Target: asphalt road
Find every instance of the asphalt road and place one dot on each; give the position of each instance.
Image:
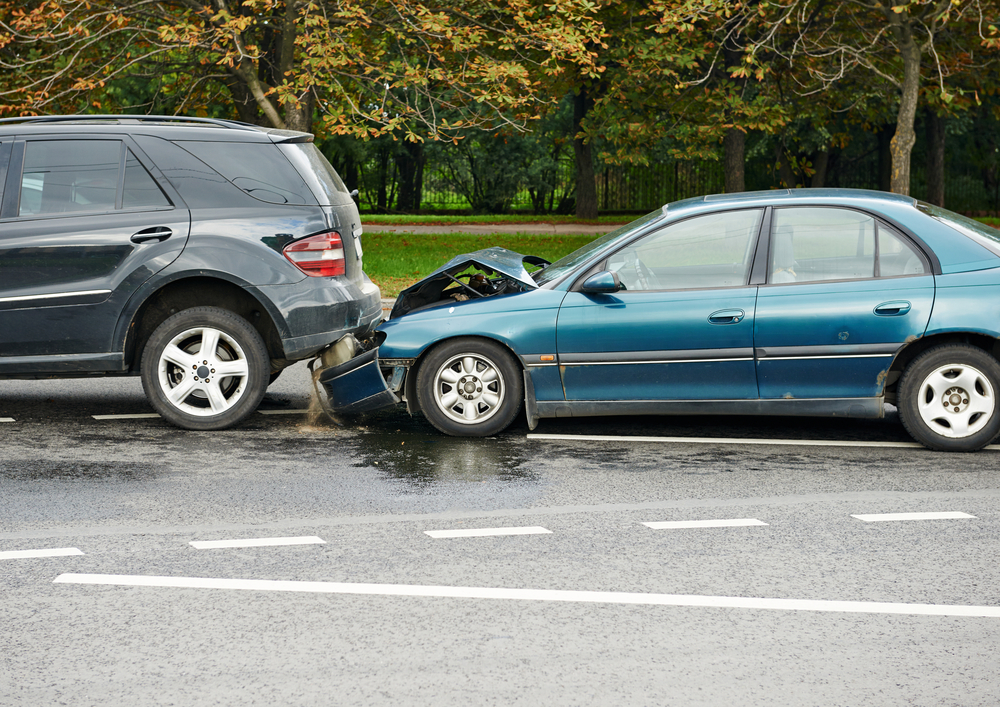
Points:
(794, 601)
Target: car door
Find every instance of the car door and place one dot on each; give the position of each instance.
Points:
(844, 292)
(83, 224)
(682, 329)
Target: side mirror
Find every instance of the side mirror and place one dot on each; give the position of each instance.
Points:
(604, 282)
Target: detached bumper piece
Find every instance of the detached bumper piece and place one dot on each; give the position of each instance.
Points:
(356, 386)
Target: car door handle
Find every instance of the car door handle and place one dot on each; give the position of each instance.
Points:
(156, 233)
(727, 316)
(892, 309)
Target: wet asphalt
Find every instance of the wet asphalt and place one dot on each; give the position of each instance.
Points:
(132, 494)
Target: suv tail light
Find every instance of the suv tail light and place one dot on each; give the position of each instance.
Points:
(318, 256)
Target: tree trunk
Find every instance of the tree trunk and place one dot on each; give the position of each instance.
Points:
(734, 141)
(821, 161)
(785, 173)
(935, 158)
(300, 117)
(885, 134)
(905, 137)
(408, 164)
(586, 183)
(733, 148)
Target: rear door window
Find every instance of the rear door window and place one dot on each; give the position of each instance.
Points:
(69, 176)
(259, 169)
(821, 244)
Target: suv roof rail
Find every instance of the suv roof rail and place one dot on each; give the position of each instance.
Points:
(232, 124)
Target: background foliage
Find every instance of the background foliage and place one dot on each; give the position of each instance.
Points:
(576, 106)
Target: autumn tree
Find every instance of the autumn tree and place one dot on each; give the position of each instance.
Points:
(908, 45)
(367, 67)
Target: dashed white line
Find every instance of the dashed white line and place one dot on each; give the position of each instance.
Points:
(735, 440)
(882, 517)
(730, 523)
(256, 542)
(414, 590)
(49, 552)
(483, 532)
(134, 416)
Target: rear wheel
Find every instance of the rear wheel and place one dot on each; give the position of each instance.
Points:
(470, 388)
(205, 368)
(948, 398)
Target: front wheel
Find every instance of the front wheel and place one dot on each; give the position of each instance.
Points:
(205, 368)
(470, 388)
(948, 398)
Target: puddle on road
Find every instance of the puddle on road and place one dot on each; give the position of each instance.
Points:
(426, 458)
(40, 470)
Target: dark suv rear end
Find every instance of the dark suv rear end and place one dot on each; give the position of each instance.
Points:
(203, 255)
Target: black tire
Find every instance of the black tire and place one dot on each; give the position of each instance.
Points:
(191, 395)
(965, 378)
(470, 387)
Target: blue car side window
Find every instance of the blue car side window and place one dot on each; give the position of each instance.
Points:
(703, 252)
(811, 244)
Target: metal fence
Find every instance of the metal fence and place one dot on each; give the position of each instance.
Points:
(644, 188)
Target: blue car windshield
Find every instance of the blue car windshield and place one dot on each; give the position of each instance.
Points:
(984, 235)
(567, 263)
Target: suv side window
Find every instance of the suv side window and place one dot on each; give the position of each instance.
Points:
(140, 189)
(259, 169)
(69, 176)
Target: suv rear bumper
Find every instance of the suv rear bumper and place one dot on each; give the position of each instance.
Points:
(318, 316)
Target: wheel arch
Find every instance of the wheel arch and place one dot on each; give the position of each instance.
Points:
(989, 344)
(410, 383)
(198, 291)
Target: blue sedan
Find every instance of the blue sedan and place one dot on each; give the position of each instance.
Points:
(821, 302)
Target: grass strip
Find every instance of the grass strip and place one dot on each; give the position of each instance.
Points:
(433, 220)
(394, 261)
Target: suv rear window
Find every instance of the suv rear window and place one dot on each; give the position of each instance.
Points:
(258, 169)
(326, 184)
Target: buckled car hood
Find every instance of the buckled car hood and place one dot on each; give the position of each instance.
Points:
(492, 272)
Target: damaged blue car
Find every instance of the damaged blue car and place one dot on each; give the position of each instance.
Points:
(819, 302)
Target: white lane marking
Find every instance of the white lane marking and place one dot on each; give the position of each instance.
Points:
(257, 542)
(483, 532)
(7, 419)
(880, 517)
(134, 416)
(731, 523)
(415, 590)
(295, 411)
(51, 552)
(736, 440)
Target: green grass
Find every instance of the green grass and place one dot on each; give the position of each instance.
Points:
(498, 218)
(989, 220)
(394, 261)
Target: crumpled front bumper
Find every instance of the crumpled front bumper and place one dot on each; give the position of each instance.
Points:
(357, 385)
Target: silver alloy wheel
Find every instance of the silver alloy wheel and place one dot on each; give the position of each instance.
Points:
(956, 400)
(469, 388)
(203, 371)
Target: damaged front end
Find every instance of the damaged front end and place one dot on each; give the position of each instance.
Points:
(350, 377)
(484, 273)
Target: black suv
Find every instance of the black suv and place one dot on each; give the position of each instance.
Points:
(204, 255)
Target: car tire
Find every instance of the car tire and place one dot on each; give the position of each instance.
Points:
(188, 386)
(470, 387)
(948, 398)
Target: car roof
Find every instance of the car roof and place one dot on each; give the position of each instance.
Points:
(169, 126)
